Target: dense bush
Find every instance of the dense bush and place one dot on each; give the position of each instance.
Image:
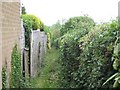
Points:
(116, 61)
(86, 53)
(70, 47)
(96, 57)
(30, 22)
(36, 22)
(77, 23)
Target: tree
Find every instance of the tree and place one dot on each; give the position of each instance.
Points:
(30, 22)
(23, 9)
(77, 23)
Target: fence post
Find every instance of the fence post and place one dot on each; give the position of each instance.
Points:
(26, 62)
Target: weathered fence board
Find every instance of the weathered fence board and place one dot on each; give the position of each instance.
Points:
(37, 51)
(26, 62)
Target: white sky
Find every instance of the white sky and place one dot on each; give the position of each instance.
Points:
(50, 11)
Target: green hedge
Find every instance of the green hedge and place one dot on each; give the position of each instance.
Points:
(86, 54)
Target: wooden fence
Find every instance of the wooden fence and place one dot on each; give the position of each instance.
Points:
(32, 64)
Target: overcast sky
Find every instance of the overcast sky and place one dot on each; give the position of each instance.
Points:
(50, 11)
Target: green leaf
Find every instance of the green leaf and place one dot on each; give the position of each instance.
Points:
(115, 83)
(116, 49)
(110, 78)
(116, 64)
(118, 77)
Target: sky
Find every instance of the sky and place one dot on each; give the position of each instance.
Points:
(50, 11)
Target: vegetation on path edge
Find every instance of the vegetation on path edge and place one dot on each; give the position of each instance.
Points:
(49, 73)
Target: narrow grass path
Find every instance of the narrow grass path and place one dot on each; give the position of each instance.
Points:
(49, 73)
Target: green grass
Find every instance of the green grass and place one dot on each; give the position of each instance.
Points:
(49, 73)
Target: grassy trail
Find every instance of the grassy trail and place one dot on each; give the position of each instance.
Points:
(48, 77)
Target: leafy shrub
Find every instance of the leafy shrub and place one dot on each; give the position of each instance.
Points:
(16, 78)
(86, 54)
(16, 72)
(30, 22)
(77, 23)
(116, 62)
(95, 59)
(36, 22)
(69, 46)
(27, 23)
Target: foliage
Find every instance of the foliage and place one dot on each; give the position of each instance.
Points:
(116, 62)
(86, 52)
(16, 72)
(77, 23)
(55, 33)
(48, 40)
(27, 23)
(4, 78)
(48, 76)
(48, 33)
(31, 22)
(46, 29)
(95, 59)
(70, 47)
(23, 10)
(16, 78)
(36, 22)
